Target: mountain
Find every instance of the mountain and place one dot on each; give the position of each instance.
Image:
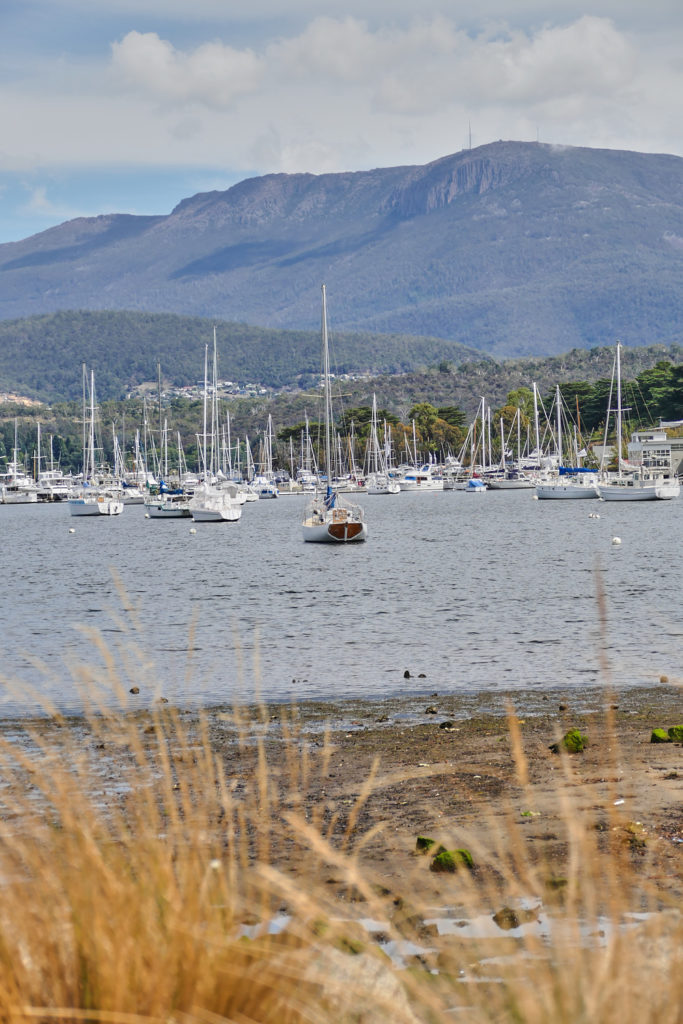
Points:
(511, 248)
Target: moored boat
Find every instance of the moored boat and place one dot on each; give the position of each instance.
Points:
(633, 484)
(329, 519)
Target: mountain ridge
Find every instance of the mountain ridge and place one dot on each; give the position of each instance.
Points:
(512, 249)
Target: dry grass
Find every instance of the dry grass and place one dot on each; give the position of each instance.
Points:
(143, 865)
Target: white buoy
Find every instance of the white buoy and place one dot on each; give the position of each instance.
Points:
(72, 530)
(146, 515)
(193, 530)
(535, 497)
(616, 540)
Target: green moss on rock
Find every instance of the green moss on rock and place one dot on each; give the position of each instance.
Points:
(676, 733)
(660, 736)
(423, 844)
(450, 860)
(573, 742)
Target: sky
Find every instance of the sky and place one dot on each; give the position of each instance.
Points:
(130, 106)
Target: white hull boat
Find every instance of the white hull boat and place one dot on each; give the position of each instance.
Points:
(379, 483)
(420, 480)
(13, 495)
(639, 485)
(639, 488)
(95, 505)
(512, 482)
(211, 504)
(169, 506)
(568, 488)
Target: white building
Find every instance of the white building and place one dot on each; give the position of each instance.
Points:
(655, 450)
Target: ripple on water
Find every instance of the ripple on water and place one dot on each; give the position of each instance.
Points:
(470, 595)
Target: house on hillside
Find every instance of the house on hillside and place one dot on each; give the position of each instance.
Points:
(655, 450)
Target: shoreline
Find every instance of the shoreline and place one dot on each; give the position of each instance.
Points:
(444, 767)
(398, 707)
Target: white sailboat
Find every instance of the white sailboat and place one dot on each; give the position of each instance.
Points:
(93, 499)
(509, 477)
(637, 485)
(569, 483)
(214, 500)
(328, 519)
(171, 502)
(53, 485)
(378, 480)
(264, 483)
(16, 486)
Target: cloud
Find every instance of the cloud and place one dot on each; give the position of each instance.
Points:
(212, 74)
(340, 92)
(41, 206)
(407, 70)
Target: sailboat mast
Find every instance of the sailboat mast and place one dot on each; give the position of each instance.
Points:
(38, 457)
(85, 435)
(92, 424)
(328, 395)
(558, 417)
(206, 389)
(214, 410)
(619, 408)
(538, 440)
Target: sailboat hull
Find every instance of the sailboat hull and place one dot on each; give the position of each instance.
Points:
(566, 492)
(640, 490)
(334, 532)
(95, 506)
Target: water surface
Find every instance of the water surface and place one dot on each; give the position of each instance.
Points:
(466, 592)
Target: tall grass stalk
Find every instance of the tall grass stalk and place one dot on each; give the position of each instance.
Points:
(174, 867)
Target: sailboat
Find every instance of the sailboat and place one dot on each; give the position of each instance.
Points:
(264, 484)
(16, 486)
(213, 501)
(328, 519)
(509, 477)
(574, 482)
(636, 485)
(93, 499)
(378, 480)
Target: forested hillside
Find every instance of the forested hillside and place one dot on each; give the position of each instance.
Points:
(41, 357)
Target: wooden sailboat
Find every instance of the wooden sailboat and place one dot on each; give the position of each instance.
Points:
(328, 519)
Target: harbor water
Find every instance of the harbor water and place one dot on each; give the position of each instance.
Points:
(452, 592)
